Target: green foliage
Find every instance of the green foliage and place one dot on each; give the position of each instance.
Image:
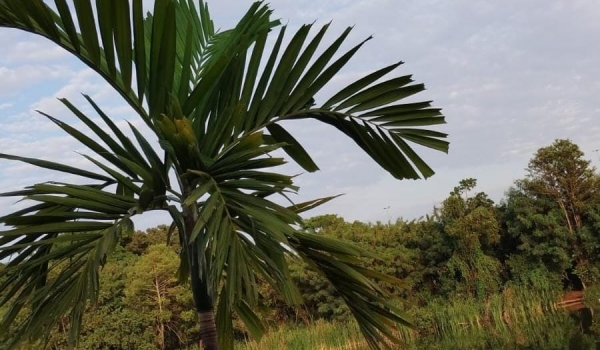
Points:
(549, 218)
(427, 255)
(139, 242)
(471, 227)
(560, 173)
(153, 288)
(126, 315)
(328, 335)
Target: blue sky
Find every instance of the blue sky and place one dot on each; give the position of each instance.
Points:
(511, 77)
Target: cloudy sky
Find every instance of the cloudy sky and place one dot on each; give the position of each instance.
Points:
(511, 76)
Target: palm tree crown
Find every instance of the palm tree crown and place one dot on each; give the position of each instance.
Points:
(214, 101)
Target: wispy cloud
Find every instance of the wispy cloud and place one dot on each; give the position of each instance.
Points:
(18, 78)
(32, 51)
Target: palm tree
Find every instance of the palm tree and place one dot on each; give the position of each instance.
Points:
(214, 101)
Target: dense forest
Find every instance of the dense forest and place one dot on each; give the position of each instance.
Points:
(499, 265)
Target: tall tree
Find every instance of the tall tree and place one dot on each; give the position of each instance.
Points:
(215, 110)
(471, 226)
(139, 242)
(535, 241)
(549, 216)
(560, 172)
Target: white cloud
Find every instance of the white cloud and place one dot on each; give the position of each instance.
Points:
(28, 76)
(39, 50)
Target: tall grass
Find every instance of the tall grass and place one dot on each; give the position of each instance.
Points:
(321, 335)
(515, 319)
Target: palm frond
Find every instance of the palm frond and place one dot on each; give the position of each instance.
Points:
(145, 58)
(340, 263)
(115, 31)
(382, 126)
(54, 255)
(56, 246)
(245, 236)
(368, 110)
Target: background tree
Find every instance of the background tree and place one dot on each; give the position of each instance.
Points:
(548, 215)
(471, 226)
(534, 239)
(215, 110)
(560, 172)
(112, 323)
(154, 290)
(139, 242)
(425, 238)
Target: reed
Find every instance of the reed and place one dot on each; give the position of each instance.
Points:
(518, 318)
(320, 335)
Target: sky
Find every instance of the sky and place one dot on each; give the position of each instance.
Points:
(511, 76)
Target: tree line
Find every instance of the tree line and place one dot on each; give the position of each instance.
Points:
(543, 236)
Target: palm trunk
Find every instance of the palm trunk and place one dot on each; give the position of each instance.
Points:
(200, 285)
(204, 306)
(208, 330)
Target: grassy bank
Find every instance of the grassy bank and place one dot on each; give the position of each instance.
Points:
(319, 336)
(512, 320)
(554, 332)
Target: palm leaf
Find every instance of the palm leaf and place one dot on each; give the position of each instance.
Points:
(369, 304)
(61, 29)
(56, 234)
(72, 229)
(69, 292)
(367, 111)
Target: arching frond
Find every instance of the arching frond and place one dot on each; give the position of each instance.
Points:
(56, 246)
